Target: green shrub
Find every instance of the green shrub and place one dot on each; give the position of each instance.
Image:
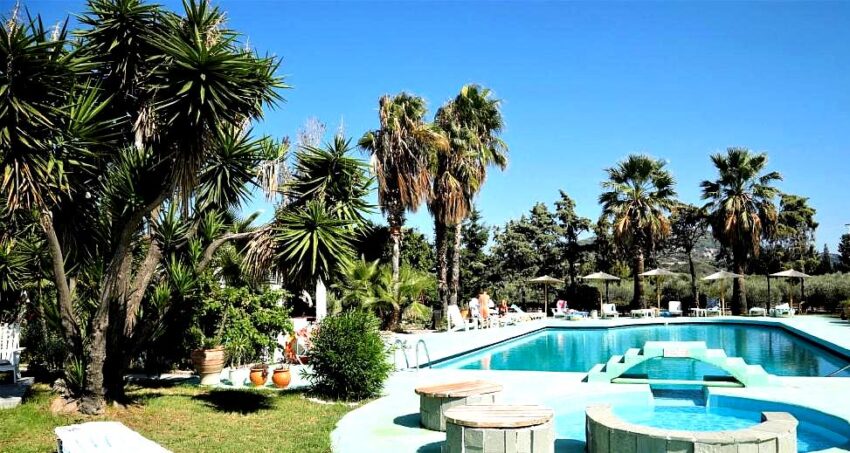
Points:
(348, 357)
(246, 322)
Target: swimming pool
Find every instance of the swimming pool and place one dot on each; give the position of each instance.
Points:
(578, 349)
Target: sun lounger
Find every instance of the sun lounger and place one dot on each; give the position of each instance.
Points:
(642, 313)
(758, 311)
(456, 321)
(782, 311)
(527, 315)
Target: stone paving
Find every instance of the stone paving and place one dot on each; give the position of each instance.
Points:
(391, 423)
(11, 395)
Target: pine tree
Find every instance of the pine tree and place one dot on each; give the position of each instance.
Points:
(825, 264)
(473, 258)
(844, 251)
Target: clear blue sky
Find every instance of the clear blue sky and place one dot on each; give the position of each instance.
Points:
(583, 84)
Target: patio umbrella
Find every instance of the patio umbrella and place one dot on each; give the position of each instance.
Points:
(607, 278)
(658, 273)
(723, 275)
(546, 280)
(791, 273)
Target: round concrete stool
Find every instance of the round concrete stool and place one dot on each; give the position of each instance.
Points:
(434, 400)
(499, 429)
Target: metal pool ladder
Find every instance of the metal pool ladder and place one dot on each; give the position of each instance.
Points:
(401, 345)
(427, 354)
(847, 367)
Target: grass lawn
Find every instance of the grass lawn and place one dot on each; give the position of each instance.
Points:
(189, 419)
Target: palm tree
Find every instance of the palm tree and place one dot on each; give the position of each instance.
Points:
(472, 121)
(370, 286)
(639, 194)
(401, 151)
(741, 209)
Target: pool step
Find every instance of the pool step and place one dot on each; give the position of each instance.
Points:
(614, 369)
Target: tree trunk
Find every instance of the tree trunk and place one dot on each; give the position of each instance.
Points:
(321, 299)
(637, 299)
(739, 293)
(455, 266)
(442, 286)
(395, 237)
(70, 329)
(692, 269)
(95, 354)
(395, 319)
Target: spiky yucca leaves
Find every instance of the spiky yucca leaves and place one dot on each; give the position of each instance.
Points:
(741, 208)
(207, 81)
(402, 150)
(36, 74)
(306, 245)
(638, 196)
(332, 175)
(228, 173)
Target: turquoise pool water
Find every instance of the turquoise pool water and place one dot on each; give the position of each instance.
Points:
(577, 350)
(813, 433)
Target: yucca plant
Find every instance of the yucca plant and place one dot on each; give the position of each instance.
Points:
(129, 143)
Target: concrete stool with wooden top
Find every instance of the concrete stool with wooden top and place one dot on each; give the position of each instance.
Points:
(499, 429)
(434, 400)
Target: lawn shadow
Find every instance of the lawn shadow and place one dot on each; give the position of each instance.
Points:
(235, 401)
(433, 447)
(408, 421)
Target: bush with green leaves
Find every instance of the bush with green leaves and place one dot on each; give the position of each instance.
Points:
(246, 322)
(348, 357)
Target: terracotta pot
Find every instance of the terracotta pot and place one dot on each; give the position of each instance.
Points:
(209, 363)
(258, 376)
(282, 377)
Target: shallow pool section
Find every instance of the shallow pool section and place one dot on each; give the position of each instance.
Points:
(577, 350)
(816, 431)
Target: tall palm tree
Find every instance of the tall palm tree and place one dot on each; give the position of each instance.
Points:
(472, 121)
(401, 151)
(638, 196)
(741, 209)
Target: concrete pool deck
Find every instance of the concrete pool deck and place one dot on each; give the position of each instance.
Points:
(391, 423)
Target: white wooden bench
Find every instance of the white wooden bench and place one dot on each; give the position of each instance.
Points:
(434, 400)
(499, 428)
(10, 350)
(103, 437)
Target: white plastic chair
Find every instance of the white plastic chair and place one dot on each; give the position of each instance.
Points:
(610, 311)
(674, 307)
(10, 350)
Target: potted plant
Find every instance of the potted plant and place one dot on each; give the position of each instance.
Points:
(209, 361)
(259, 374)
(282, 376)
(237, 353)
